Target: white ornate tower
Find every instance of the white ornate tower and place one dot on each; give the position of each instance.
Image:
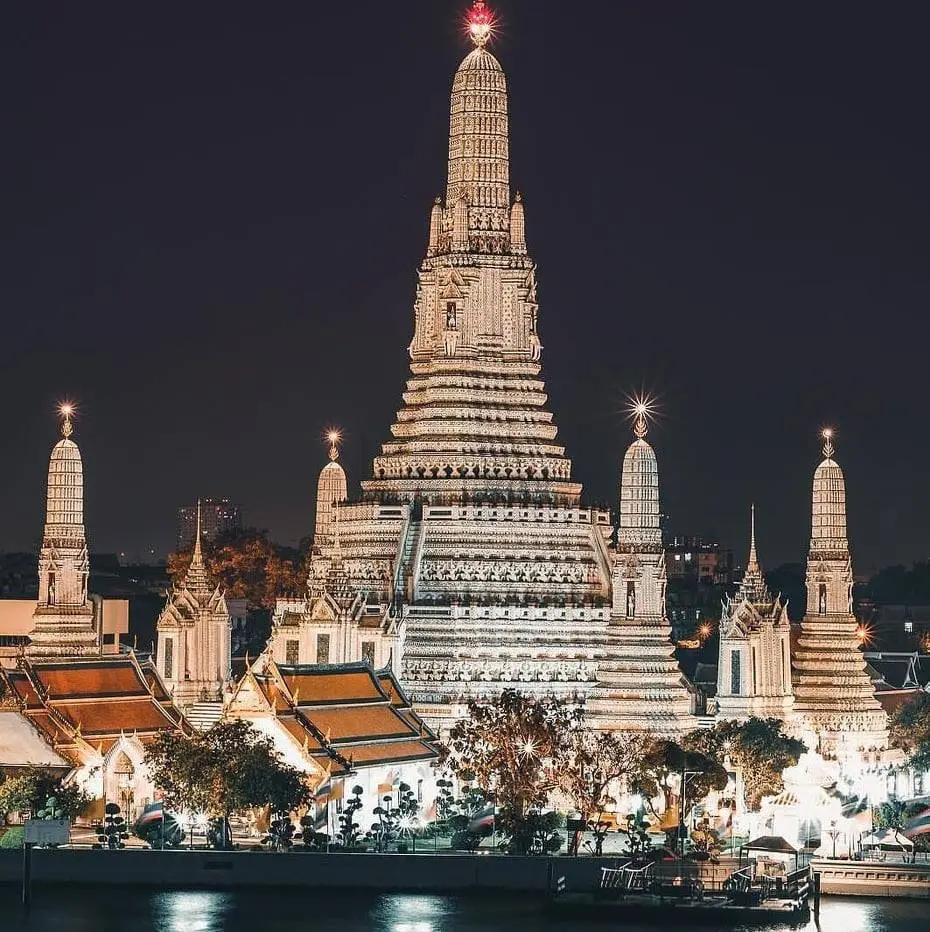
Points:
(640, 686)
(754, 659)
(194, 655)
(64, 615)
(470, 545)
(834, 698)
(331, 488)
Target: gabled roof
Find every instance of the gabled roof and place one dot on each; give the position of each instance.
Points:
(93, 700)
(342, 714)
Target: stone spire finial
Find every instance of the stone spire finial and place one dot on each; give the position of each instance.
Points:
(66, 410)
(752, 586)
(828, 449)
(334, 437)
(196, 578)
(753, 565)
(480, 23)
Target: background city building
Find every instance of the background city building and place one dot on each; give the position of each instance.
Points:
(219, 516)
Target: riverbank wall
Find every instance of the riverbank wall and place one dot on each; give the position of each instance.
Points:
(393, 873)
(867, 878)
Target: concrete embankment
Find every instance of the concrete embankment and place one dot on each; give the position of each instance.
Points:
(379, 872)
(395, 872)
(866, 878)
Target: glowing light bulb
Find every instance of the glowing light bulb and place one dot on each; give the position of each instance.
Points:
(66, 409)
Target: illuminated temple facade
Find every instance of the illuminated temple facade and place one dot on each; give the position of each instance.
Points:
(835, 708)
(470, 562)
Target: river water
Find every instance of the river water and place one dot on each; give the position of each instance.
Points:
(111, 909)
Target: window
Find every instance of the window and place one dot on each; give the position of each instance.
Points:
(736, 686)
(368, 652)
(292, 652)
(908, 627)
(168, 666)
(822, 599)
(322, 648)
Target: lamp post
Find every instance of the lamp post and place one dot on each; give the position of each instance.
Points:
(685, 776)
(833, 832)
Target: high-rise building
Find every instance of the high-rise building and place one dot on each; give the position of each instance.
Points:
(217, 516)
(834, 699)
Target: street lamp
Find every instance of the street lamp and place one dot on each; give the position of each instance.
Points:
(833, 831)
(685, 776)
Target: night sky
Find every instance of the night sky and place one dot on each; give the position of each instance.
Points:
(214, 212)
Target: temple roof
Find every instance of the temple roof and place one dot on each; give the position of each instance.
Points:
(92, 700)
(343, 715)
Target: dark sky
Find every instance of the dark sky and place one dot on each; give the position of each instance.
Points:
(213, 214)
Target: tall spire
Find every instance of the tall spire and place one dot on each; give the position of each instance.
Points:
(478, 186)
(752, 586)
(331, 488)
(639, 489)
(828, 511)
(834, 696)
(64, 624)
(196, 579)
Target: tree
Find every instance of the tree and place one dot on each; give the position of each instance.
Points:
(910, 730)
(394, 821)
(111, 833)
(29, 792)
(758, 747)
(248, 566)
(512, 749)
(224, 770)
(597, 766)
(348, 835)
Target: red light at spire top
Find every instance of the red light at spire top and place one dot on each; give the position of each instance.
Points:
(480, 23)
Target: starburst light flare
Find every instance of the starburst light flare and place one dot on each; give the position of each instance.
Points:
(642, 409)
(480, 23)
(334, 437)
(66, 411)
(527, 748)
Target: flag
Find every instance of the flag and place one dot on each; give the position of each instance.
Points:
(338, 790)
(385, 789)
(154, 812)
(482, 822)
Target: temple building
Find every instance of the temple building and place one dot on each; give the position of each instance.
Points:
(340, 724)
(96, 716)
(835, 709)
(754, 658)
(194, 651)
(640, 686)
(470, 555)
(64, 618)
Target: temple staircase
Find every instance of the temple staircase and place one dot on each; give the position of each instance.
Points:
(204, 715)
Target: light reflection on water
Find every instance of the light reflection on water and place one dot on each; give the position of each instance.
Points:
(102, 910)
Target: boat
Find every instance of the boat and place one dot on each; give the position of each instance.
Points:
(635, 889)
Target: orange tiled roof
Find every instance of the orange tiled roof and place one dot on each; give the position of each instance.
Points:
(389, 752)
(359, 722)
(111, 717)
(94, 678)
(22, 689)
(330, 686)
(300, 732)
(392, 688)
